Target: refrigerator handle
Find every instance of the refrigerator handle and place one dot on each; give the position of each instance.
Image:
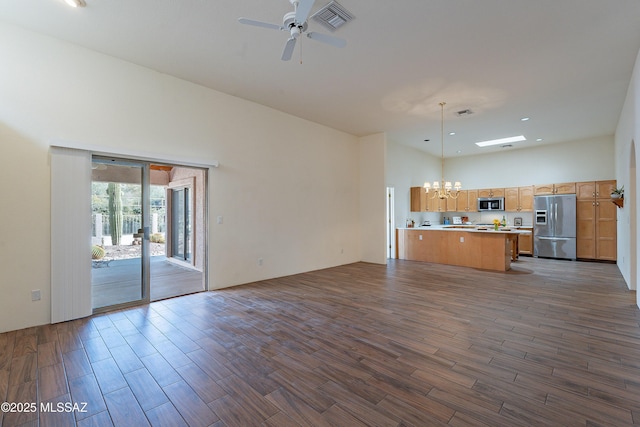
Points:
(556, 213)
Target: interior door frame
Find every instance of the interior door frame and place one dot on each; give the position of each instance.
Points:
(69, 279)
(188, 183)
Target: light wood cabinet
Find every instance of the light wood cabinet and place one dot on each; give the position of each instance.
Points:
(518, 199)
(421, 201)
(418, 199)
(467, 201)
(491, 192)
(525, 242)
(596, 221)
(564, 188)
(452, 204)
(595, 189)
(435, 204)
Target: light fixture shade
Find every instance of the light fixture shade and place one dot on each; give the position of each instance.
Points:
(445, 192)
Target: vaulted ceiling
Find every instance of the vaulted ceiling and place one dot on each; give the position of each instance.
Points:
(564, 64)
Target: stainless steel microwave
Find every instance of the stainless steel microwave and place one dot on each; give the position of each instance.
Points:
(491, 204)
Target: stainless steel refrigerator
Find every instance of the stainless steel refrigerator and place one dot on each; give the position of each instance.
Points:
(554, 226)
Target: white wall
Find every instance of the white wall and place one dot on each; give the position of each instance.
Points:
(293, 201)
(406, 168)
(583, 160)
(373, 198)
(628, 134)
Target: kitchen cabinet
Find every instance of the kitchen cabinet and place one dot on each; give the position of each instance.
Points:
(435, 204)
(491, 192)
(418, 199)
(595, 189)
(467, 201)
(452, 204)
(564, 188)
(525, 242)
(518, 199)
(596, 221)
(421, 201)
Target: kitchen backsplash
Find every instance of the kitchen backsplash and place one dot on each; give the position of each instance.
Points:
(474, 217)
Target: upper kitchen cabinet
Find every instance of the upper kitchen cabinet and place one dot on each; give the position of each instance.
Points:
(435, 204)
(418, 199)
(491, 192)
(595, 189)
(564, 188)
(518, 199)
(421, 201)
(452, 204)
(467, 201)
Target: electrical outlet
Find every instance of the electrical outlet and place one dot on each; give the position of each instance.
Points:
(219, 219)
(461, 239)
(260, 260)
(35, 295)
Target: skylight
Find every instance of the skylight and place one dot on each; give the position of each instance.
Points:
(501, 141)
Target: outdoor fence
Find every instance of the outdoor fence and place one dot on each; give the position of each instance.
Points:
(130, 224)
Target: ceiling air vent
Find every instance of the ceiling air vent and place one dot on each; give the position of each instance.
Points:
(332, 16)
(466, 112)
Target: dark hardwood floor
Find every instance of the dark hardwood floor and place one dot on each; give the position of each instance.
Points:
(410, 344)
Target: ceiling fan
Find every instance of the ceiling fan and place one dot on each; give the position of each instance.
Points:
(296, 24)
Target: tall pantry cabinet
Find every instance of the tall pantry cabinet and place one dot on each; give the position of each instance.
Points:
(596, 221)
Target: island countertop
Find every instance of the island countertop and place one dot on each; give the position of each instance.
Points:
(471, 228)
(459, 245)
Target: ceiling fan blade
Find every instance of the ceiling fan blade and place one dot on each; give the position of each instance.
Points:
(324, 38)
(303, 9)
(247, 21)
(288, 49)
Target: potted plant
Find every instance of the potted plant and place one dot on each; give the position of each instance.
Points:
(618, 193)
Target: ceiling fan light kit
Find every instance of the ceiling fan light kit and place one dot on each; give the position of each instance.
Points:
(296, 24)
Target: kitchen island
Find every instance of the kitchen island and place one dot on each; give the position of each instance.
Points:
(467, 246)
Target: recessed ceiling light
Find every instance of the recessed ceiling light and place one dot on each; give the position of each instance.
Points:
(501, 141)
(524, 119)
(539, 139)
(75, 3)
(452, 133)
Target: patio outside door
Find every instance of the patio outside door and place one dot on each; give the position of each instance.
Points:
(120, 251)
(149, 231)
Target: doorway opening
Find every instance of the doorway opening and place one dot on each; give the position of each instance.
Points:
(149, 231)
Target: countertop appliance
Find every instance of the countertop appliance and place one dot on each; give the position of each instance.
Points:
(491, 203)
(554, 226)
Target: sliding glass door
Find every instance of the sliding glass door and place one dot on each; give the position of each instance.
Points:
(119, 200)
(181, 223)
(149, 231)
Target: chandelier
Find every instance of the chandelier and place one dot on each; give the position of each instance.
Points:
(443, 189)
